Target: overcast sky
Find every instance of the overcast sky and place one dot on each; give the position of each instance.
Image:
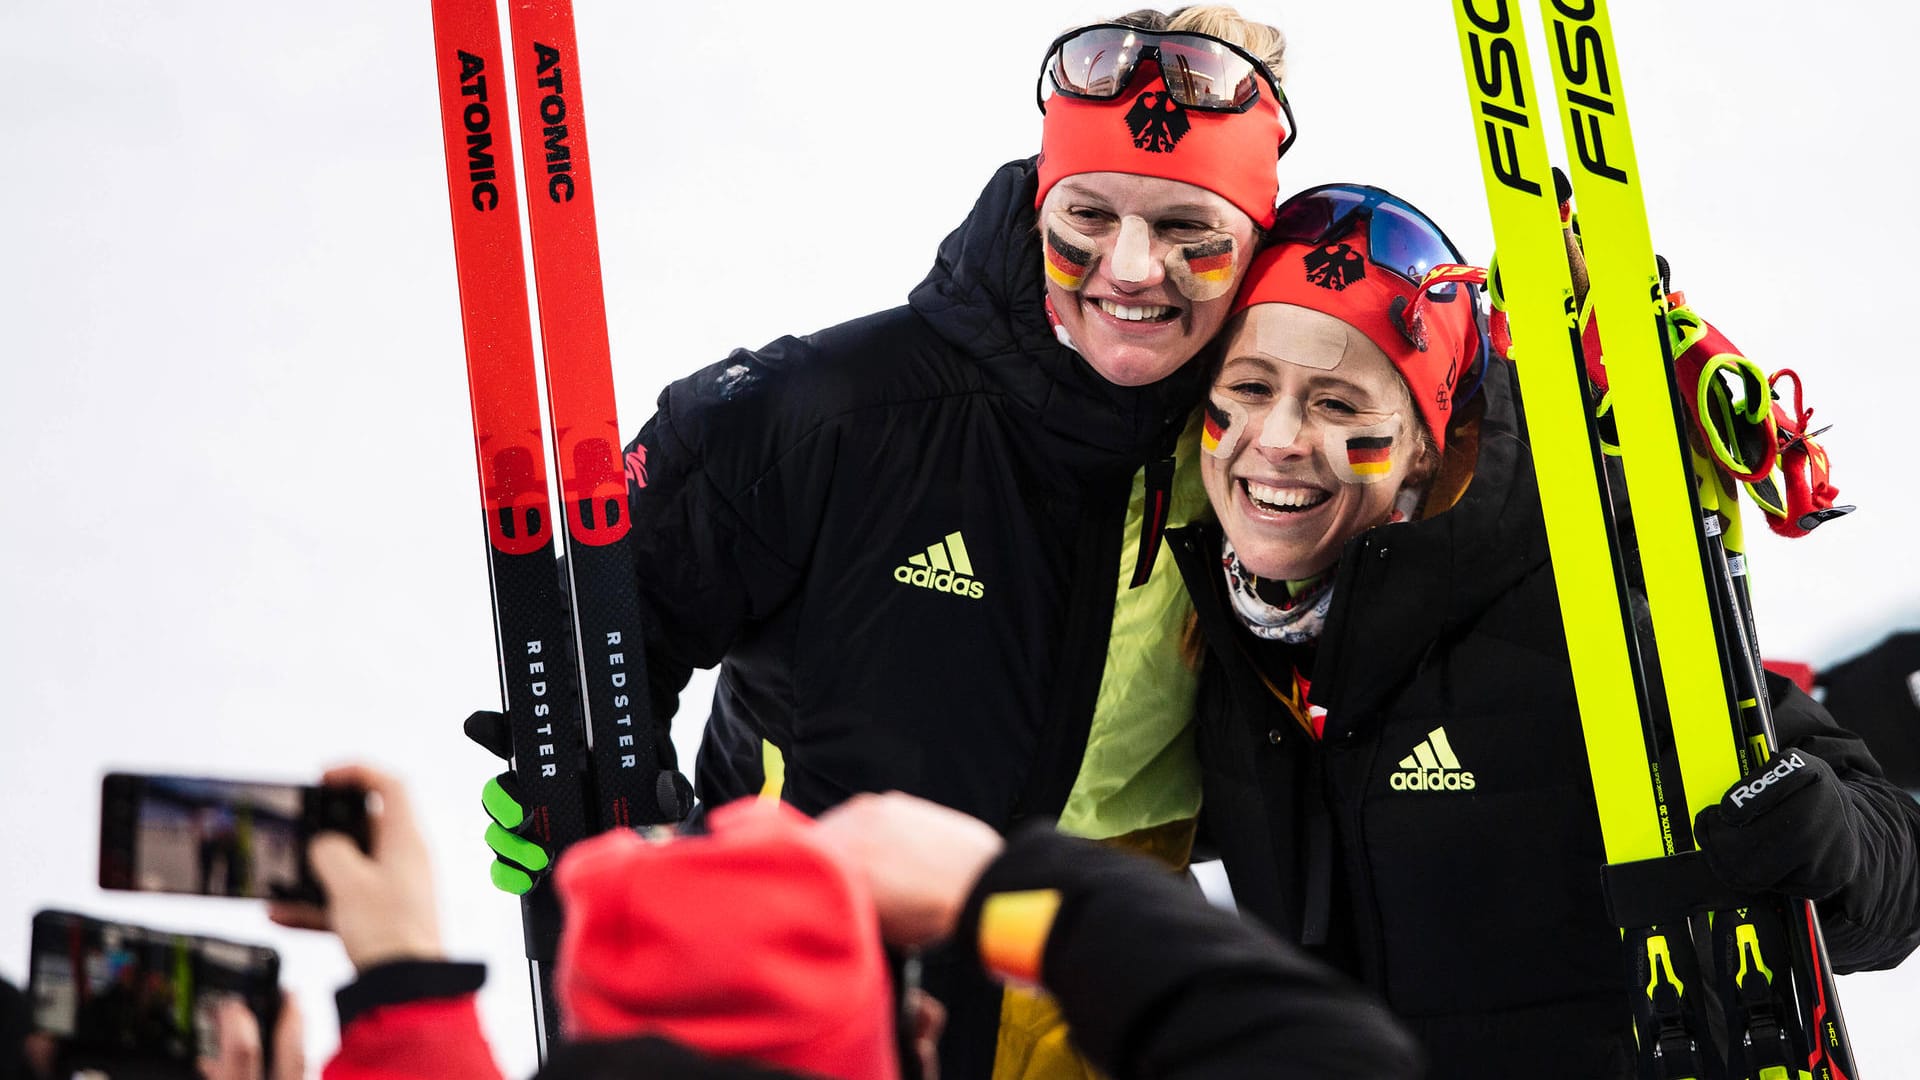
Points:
(240, 533)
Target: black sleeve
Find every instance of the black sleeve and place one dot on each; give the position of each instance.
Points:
(1156, 982)
(1874, 922)
(718, 480)
(400, 981)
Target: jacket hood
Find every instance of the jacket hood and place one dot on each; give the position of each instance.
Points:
(1495, 535)
(987, 298)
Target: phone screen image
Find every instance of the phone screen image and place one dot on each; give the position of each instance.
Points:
(115, 991)
(210, 837)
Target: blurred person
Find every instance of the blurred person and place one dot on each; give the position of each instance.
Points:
(220, 852)
(16, 1027)
(1878, 693)
(1395, 772)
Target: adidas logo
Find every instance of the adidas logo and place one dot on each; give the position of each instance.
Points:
(1431, 767)
(944, 567)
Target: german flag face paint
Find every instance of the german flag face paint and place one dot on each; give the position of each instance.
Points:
(1069, 256)
(1363, 455)
(1220, 427)
(1203, 271)
(1370, 455)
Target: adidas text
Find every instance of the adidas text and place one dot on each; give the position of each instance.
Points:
(1431, 780)
(1751, 790)
(939, 581)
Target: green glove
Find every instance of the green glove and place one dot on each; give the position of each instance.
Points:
(518, 861)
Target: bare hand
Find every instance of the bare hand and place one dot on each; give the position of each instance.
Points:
(237, 1057)
(920, 860)
(41, 1051)
(381, 905)
(929, 1019)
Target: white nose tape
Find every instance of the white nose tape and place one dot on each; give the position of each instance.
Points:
(1282, 426)
(1133, 250)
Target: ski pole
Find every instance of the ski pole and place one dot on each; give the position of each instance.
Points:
(1830, 1049)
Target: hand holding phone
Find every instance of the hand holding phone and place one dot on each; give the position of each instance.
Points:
(380, 899)
(120, 997)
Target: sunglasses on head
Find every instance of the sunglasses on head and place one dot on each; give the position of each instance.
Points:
(1400, 239)
(1097, 63)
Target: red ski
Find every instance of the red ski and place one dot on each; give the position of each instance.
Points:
(625, 747)
(586, 754)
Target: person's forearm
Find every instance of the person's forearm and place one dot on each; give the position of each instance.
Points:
(1155, 982)
(412, 1019)
(1874, 923)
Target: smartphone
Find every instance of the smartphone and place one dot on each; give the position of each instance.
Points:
(204, 837)
(121, 997)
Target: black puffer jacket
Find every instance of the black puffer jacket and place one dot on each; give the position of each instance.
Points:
(1474, 905)
(792, 493)
(899, 538)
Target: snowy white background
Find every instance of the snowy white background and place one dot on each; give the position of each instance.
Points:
(238, 532)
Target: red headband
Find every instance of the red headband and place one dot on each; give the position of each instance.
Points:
(1337, 278)
(1147, 133)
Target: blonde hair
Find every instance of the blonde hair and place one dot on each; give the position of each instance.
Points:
(1221, 21)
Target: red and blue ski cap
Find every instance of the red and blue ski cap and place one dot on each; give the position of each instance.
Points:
(1230, 153)
(1374, 262)
(753, 941)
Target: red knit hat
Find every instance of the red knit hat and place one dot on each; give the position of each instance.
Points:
(1339, 279)
(752, 941)
(1146, 133)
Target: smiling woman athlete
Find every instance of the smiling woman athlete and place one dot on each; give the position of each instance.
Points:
(1394, 766)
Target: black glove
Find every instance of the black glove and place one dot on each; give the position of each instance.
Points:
(1789, 827)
